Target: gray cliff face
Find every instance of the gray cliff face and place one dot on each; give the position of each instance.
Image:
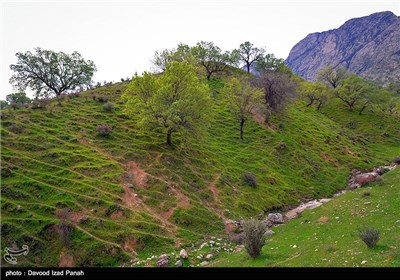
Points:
(368, 46)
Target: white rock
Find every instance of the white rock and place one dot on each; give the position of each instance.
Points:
(183, 254)
(179, 263)
(209, 256)
(363, 262)
(294, 246)
(204, 263)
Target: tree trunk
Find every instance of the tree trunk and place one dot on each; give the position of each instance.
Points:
(209, 75)
(319, 105)
(362, 108)
(248, 67)
(310, 103)
(241, 128)
(169, 139)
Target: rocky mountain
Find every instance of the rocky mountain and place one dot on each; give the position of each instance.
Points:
(368, 46)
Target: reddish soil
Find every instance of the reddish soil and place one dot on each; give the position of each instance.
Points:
(328, 157)
(66, 260)
(130, 198)
(214, 188)
(129, 244)
(117, 215)
(139, 176)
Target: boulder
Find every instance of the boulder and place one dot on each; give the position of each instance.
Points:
(163, 261)
(275, 218)
(204, 263)
(353, 186)
(209, 257)
(179, 263)
(365, 178)
(269, 232)
(183, 254)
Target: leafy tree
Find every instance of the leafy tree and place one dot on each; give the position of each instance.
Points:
(3, 104)
(248, 54)
(18, 98)
(242, 100)
(47, 71)
(269, 62)
(211, 57)
(174, 101)
(394, 87)
(166, 56)
(278, 88)
(354, 91)
(315, 92)
(332, 77)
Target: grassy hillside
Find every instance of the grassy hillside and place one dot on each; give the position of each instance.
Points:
(130, 194)
(306, 241)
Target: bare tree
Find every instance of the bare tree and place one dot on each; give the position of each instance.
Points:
(278, 89)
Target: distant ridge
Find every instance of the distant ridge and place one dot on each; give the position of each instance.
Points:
(368, 46)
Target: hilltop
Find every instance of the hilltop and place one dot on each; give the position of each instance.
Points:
(130, 195)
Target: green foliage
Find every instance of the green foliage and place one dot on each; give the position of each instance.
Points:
(369, 235)
(353, 91)
(3, 104)
(18, 98)
(253, 236)
(176, 101)
(211, 57)
(315, 93)
(162, 58)
(269, 62)
(242, 100)
(332, 77)
(47, 72)
(108, 107)
(248, 54)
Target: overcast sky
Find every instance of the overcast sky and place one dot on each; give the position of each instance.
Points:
(121, 36)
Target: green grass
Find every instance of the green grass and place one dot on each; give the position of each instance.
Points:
(335, 243)
(59, 161)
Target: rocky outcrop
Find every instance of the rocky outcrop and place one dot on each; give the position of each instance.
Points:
(367, 46)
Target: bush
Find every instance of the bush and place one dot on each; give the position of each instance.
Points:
(396, 160)
(94, 96)
(108, 107)
(104, 129)
(102, 99)
(15, 128)
(379, 181)
(253, 236)
(250, 179)
(369, 235)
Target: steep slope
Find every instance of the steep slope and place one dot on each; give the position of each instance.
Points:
(311, 241)
(81, 199)
(368, 46)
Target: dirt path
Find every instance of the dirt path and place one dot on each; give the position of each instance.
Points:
(214, 189)
(137, 174)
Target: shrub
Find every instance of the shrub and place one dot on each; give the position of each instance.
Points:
(102, 98)
(369, 235)
(108, 107)
(250, 179)
(396, 160)
(74, 94)
(103, 129)
(15, 128)
(366, 194)
(379, 180)
(94, 96)
(253, 236)
(15, 106)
